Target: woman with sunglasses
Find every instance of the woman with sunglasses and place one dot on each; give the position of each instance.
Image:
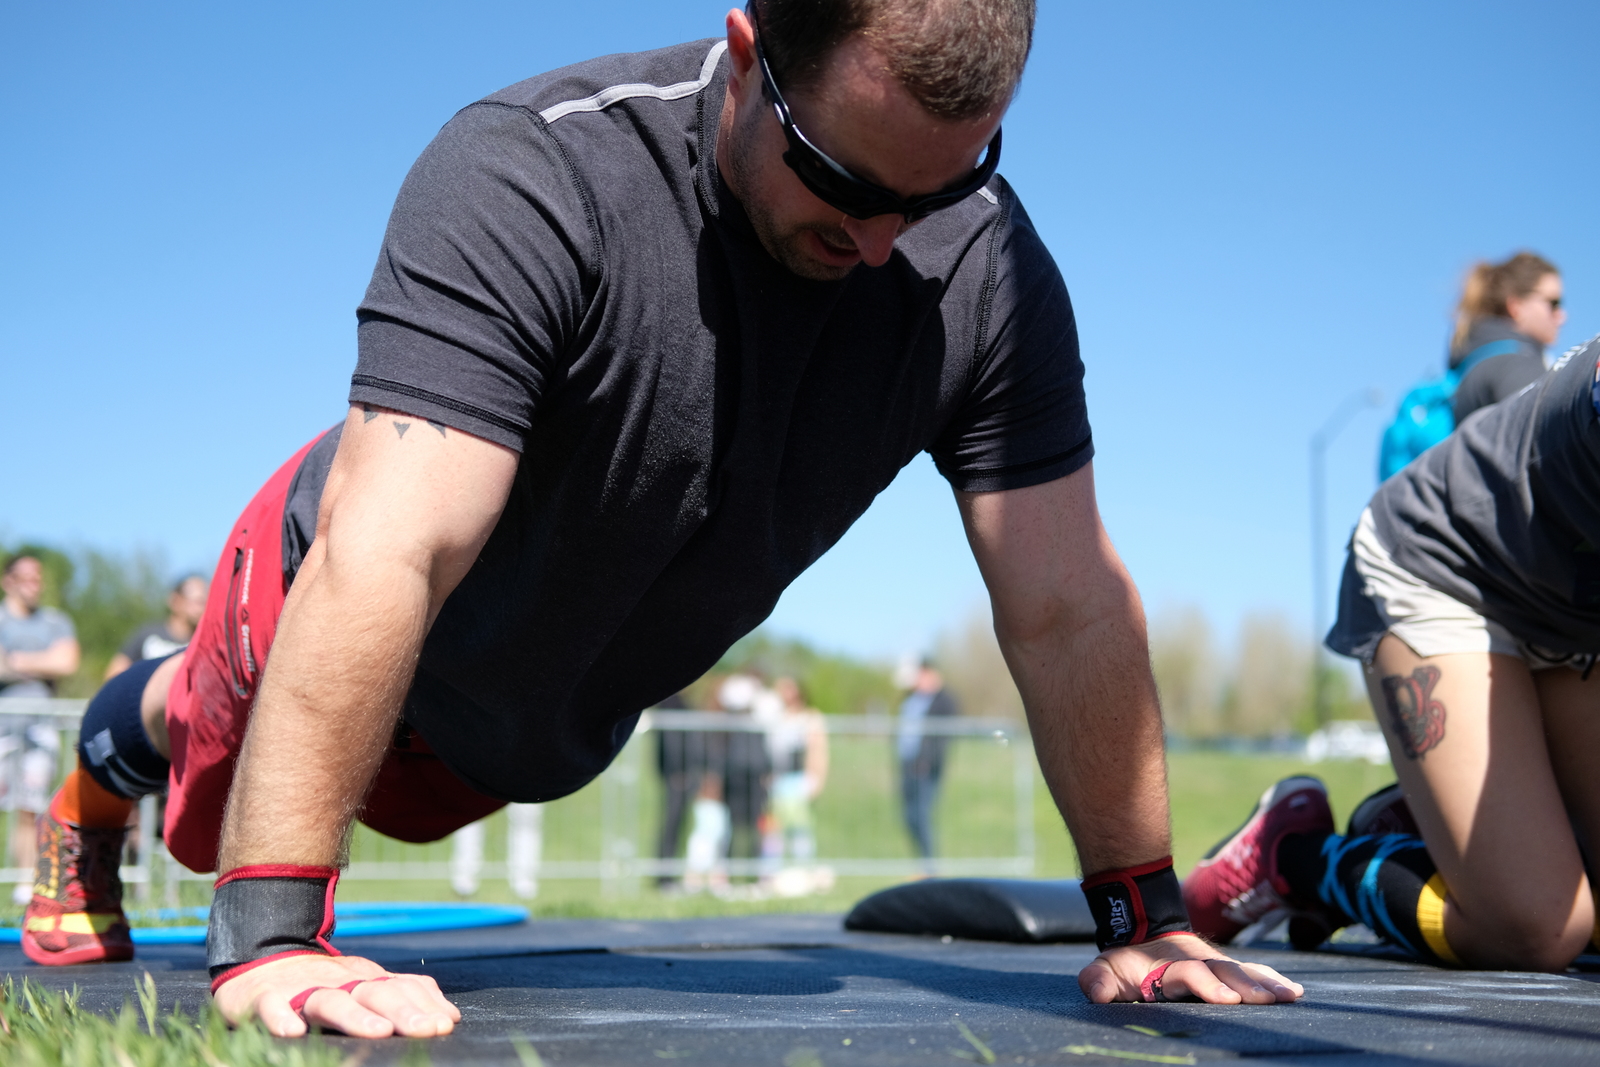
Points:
(1509, 313)
(1471, 596)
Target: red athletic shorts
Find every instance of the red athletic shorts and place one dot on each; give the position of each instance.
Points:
(415, 798)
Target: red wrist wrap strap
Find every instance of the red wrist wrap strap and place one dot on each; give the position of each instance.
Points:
(1136, 904)
(266, 912)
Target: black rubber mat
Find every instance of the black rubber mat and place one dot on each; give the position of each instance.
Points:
(799, 991)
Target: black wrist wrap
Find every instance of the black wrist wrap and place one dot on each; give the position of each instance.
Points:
(1136, 904)
(268, 911)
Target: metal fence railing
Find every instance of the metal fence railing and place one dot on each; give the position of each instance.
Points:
(610, 831)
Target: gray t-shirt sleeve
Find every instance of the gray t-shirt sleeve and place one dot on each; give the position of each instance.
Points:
(1025, 421)
(487, 267)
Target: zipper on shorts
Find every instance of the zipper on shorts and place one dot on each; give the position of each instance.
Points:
(236, 634)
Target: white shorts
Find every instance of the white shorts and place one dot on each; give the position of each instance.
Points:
(1432, 623)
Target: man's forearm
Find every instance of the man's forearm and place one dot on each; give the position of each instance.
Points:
(339, 671)
(1096, 724)
(51, 664)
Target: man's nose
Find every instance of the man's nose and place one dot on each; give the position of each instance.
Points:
(874, 237)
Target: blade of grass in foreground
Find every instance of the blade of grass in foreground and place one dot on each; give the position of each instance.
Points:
(40, 1027)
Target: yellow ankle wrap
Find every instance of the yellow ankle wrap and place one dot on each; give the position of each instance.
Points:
(1430, 919)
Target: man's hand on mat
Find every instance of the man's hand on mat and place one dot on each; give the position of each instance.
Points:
(408, 1005)
(1197, 970)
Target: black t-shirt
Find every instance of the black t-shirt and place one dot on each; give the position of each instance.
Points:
(566, 273)
(152, 641)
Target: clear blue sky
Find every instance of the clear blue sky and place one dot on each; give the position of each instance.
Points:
(1259, 209)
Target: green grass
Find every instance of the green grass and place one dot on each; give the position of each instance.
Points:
(1212, 792)
(858, 816)
(40, 1027)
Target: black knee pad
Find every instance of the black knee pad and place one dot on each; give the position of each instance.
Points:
(112, 744)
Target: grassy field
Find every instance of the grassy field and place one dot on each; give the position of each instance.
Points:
(858, 817)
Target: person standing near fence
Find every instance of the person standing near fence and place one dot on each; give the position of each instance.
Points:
(746, 765)
(681, 762)
(636, 353)
(38, 648)
(921, 755)
(185, 604)
(797, 746)
(38, 644)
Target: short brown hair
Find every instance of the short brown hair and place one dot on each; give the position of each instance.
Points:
(960, 59)
(1490, 285)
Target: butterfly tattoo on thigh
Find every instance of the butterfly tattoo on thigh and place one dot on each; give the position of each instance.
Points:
(1418, 718)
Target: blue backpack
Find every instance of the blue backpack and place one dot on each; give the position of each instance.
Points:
(1427, 413)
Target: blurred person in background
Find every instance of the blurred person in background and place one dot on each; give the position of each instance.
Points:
(681, 759)
(797, 745)
(38, 648)
(185, 604)
(38, 644)
(746, 767)
(1509, 313)
(922, 754)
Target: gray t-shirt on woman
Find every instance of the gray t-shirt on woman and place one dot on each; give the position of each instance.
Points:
(1504, 515)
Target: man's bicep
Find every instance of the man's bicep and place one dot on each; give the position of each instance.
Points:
(412, 492)
(1042, 549)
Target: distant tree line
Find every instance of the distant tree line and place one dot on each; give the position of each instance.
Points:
(838, 683)
(1264, 689)
(107, 595)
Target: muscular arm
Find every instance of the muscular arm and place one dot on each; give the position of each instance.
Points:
(402, 519)
(1072, 631)
(49, 665)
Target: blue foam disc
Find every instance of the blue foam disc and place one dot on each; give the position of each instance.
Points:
(354, 920)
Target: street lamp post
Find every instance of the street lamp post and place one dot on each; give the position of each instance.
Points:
(1365, 398)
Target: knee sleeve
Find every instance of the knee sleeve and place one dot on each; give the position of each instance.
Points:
(112, 744)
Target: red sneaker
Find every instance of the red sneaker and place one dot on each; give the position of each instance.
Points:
(1237, 885)
(76, 912)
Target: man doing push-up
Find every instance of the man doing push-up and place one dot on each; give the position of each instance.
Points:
(646, 335)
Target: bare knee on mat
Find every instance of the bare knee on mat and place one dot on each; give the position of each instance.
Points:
(1523, 937)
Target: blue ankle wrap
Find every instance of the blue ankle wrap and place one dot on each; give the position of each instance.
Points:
(1364, 876)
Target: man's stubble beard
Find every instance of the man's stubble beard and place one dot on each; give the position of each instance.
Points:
(785, 246)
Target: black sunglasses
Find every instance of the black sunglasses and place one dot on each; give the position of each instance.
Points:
(853, 195)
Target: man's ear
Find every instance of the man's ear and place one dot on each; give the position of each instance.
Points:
(742, 73)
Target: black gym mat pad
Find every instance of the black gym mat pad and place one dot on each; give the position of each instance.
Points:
(800, 991)
(1031, 911)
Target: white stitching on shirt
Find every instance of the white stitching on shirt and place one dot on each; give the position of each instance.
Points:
(617, 93)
